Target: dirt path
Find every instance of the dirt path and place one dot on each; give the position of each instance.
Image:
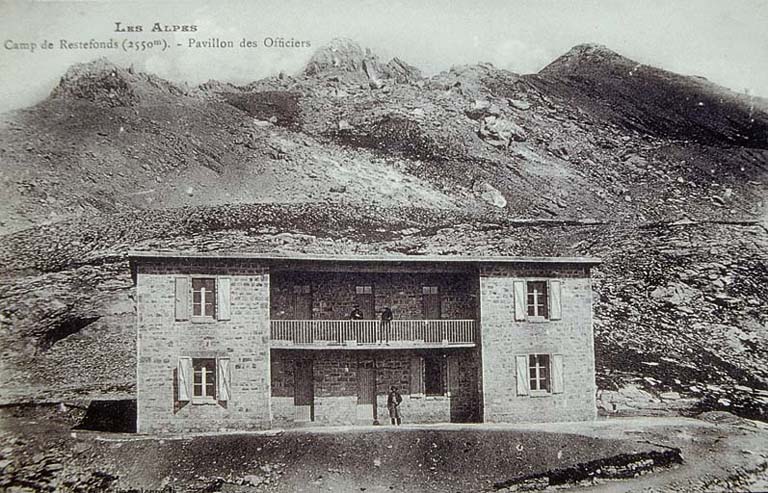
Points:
(45, 453)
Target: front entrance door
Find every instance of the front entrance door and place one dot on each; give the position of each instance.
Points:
(304, 391)
(366, 391)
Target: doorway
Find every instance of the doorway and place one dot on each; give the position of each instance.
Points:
(304, 391)
(366, 391)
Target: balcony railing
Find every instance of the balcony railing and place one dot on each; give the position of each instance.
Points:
(352, 333)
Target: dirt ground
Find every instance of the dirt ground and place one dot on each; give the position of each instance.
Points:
(720, 452)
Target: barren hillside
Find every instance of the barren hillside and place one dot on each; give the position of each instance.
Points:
(661, 175)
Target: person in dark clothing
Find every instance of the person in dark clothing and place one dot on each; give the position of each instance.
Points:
(393, 404)
(386, 318)
(356, 313)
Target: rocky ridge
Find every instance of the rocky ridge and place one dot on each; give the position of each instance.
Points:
(356, 156)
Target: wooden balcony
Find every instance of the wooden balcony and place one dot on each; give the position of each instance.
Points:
(367, 334)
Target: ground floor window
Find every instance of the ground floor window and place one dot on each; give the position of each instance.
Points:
(204, 378)
(434, 376)
(539, 372)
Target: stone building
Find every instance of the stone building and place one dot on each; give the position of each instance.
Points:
(253, 341)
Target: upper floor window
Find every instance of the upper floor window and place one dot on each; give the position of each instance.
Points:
(537, 302)
(203, 297)
(210, 298)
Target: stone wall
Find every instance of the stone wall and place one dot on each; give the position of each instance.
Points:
(502, 338)
(162, 340)
(333, 294)
(335, 379)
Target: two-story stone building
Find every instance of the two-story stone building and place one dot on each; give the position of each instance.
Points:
(253, 341)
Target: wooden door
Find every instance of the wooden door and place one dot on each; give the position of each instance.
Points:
(430, 299)
(302, 302)
(364, 298)
(366, 391)
(304, 391)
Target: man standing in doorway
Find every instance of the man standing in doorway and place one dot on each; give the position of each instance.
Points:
(356, 314)
(393, 404)
(386, 318)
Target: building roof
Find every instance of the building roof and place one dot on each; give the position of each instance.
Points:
(308, 257)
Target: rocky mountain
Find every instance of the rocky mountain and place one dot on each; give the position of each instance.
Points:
(662, 175)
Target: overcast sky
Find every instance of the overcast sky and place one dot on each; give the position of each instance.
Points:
(727, 41)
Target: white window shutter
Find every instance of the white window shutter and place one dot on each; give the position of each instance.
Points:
(557, 373)
(522, 374)
(182, 298)
(224, 387)
(520, 300)
(223, 298)
(184, 378)
(554, 300)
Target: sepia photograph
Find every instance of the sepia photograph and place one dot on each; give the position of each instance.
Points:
(369, 246)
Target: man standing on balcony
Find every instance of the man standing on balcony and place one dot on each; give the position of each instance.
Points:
(386, 318)
(393, 404)
(356, 313)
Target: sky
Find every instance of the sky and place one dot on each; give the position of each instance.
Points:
(726, 42)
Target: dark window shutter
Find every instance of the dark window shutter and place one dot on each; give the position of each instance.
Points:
(417, 372)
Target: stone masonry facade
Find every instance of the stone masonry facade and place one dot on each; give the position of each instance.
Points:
(479, 383)
(335, 382)
(503, 338)
(162, 340)
(333, 293)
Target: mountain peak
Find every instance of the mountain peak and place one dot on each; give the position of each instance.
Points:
(586, 54)
(102, 82)
(346, 56)
(341, 54)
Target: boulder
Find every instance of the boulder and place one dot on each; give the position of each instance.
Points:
(490, 194)
(675, 294)
(519, 104)
(500, 132)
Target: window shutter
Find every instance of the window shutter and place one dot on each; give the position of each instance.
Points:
(223, 386)
(453, 375)
(557, 373)
(182, 298)
(520, 300)
(554, 300)
(222, 298)
(184, 378)
(417, 372)
(522, 374)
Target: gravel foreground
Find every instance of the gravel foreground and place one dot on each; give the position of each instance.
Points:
(719, 451)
